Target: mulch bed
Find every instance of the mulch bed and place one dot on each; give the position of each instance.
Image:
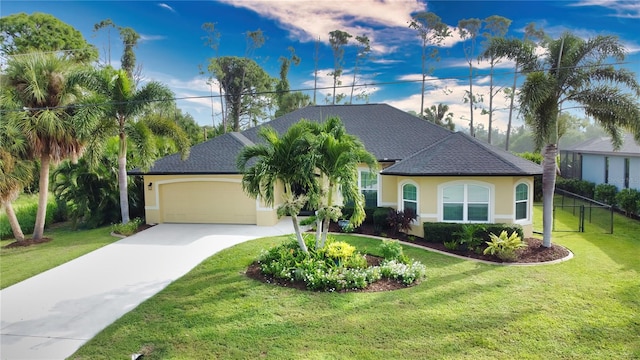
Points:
(26, 242)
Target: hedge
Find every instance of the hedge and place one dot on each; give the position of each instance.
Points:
(439, 232)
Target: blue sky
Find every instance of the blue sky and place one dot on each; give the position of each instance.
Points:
(172, 48)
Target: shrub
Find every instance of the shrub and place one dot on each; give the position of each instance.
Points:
(606, 193)
(26, 215)
(580, 187)
(439, 232)
(380, 222)
(392, 250)
(406, 273)
(469, 236)
(451, 245)
(401, 220)
(627, 200)
(534, 157)
(128, 228)
(504, 246)
(339, 250)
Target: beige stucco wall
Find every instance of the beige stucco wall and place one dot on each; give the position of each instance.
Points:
(502, 197)
(202, 199)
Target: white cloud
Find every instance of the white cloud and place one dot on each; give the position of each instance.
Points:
(165, 6)
(622, 8)
(144, 37)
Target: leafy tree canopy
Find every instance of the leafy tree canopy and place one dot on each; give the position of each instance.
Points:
(22, 33)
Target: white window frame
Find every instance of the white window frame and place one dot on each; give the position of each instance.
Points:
(378, 182)
(401, 199)
(526, 220)
(491, 212)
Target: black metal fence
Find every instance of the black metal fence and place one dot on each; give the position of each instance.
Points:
(595, 216)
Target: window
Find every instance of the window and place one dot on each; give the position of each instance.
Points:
(369, 187)
(465, 202)
(410, 197)
(626, 173)
(606, 169)
(522, 201)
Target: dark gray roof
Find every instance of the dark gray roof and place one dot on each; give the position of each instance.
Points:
(216, 156)
(388, 133)
(602, 145)
(460, 154)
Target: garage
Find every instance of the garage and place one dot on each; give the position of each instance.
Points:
(205, 201)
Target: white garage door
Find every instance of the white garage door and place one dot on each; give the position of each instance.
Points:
(206, 202)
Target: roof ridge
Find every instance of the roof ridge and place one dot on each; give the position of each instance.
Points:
(494, 150)
(241, 138)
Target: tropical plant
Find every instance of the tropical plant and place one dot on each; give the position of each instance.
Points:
(469, 235)
(401, 220)
(43, 92)
(573, 70)
(469, 29)
(15, 172)
(440, 115)
(504, 246)
(122, 102)
(288, 160)
(338, 155)
(286, 100)
(363, 44)
(338, 39)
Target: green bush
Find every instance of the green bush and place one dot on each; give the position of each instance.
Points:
(606, 193)
(535, 157)
(469, 236)
(392, 250)
(504, 246)
(128, 228)
(380, 222)
(320, 271)
(439, 232)
(627, 200)
(26, 215)
(580, 187)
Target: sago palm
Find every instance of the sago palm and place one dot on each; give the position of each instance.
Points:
(43, 99)
(573, 73)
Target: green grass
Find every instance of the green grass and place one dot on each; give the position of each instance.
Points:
(17, 264)
(585, 308)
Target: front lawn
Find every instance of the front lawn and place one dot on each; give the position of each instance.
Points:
(20, 263)
(585, 308)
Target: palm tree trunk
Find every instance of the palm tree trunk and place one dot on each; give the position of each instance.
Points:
(490, 102)
(296, 227)
(471, 132)
(13, 221)
(513, 95)
(327, 219)
(122, 178)
(41, 215)
(548, 188)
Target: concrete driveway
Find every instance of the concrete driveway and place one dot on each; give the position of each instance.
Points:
(50, 315)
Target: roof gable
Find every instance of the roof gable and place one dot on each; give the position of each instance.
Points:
(603, 145)
(460, 154)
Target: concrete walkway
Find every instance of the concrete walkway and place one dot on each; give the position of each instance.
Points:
(50, 315)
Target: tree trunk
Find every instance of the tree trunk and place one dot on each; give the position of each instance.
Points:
(327, 219)
(122, 178)
(513, 95)
(471, 132)
(41, 215)
(296, 227)
(13, 221)
(490, 102)
(548, 188)
(224, 118)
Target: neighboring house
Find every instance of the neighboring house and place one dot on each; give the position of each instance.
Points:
(595, 161)
(442, 175)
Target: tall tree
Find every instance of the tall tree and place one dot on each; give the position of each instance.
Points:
(363, 50)
(338, 156)
(432, 33)
(22, 33)
(338, 39)
(495, 27)
(43, 91)
(316, 59)
(246, 87)
(287, 160)
(469, 29)
(122, 103)
(129, 38)
(286, 100)
(440, 115)
(15, 171)
(573, 70)
(212, 39)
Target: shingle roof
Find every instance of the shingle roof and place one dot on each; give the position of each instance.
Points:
(419, 147)
(460, 154)
(388, 133)
(216, 156)
(602, 145)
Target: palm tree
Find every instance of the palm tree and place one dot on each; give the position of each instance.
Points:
(14, 172)
(287, 160)
(123, 103)
(440, 115)
(43, 94)
(573, 71)
(338, 156)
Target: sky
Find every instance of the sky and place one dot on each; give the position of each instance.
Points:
(172, 49)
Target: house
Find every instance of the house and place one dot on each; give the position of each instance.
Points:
(442, 175)
(596, 161)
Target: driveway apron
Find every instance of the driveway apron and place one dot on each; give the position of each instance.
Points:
(50, 315)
